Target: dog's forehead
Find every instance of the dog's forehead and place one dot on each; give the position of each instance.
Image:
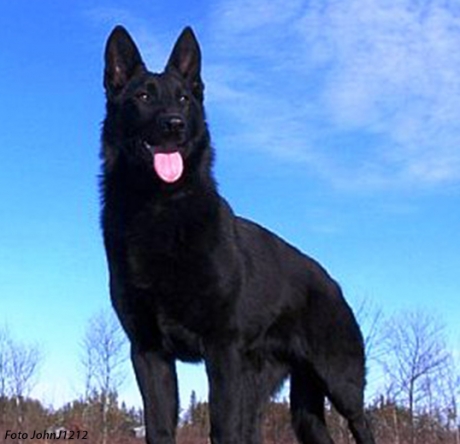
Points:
(164, 81)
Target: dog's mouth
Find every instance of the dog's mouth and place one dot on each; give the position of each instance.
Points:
(168, 162)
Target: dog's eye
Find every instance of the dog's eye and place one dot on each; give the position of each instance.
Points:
(143, 96)
(184, 99)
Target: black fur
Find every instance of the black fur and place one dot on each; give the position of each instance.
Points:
(189, 280)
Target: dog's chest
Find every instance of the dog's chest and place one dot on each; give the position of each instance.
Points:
(179, 339)
(166, 262)
(168, 249)
(174, 263)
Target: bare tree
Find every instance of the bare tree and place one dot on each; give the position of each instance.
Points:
(5, 372)
(25, 362)
(416, 354)
(5, 361)
(19, 365)
(451, 392)
(371, 319)
(104, 353)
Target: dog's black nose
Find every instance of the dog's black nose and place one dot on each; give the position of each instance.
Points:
(171, 124)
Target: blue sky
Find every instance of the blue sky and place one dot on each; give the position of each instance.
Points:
(335, 125)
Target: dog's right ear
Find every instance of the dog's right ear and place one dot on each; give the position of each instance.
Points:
(122, 61)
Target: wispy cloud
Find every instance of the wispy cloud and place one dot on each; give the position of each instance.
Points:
(367, 91)
(153, 50)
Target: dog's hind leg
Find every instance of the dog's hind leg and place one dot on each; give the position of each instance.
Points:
(307, 398)
(345, 390)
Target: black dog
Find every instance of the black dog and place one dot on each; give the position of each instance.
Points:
(192, 281)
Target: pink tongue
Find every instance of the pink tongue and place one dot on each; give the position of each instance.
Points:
(168, 166)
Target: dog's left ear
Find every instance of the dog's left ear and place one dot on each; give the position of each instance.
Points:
(186, 60)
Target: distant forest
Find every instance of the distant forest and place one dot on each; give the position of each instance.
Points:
(413, 396)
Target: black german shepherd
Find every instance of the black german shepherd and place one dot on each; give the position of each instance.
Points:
(189, 280)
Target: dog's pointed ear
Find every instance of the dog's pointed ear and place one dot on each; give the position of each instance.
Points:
(122, 61)
(186, 60)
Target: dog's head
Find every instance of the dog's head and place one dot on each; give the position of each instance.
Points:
(154, 120)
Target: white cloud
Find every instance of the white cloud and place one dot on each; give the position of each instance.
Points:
(366, 92)
(326, 72)
(153, 51)
(242, 16)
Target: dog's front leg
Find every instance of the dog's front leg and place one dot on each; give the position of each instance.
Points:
(223, 366)
(157, 379)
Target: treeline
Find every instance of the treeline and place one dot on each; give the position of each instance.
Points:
(392, 424)
(90, 421)
(413, 395)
